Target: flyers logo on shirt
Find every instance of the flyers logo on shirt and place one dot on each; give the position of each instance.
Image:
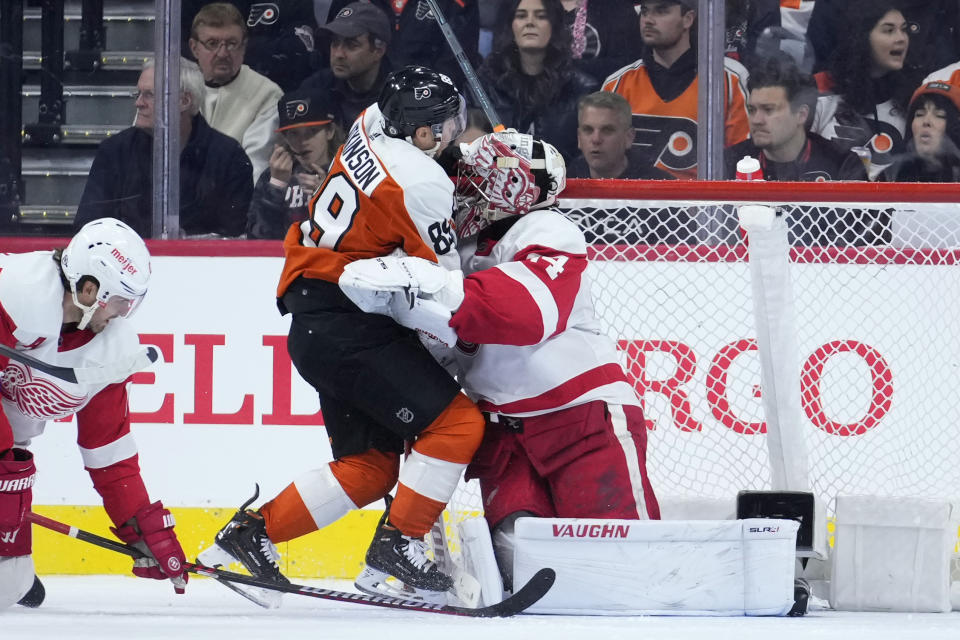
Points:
(671, 141)
(263, 13)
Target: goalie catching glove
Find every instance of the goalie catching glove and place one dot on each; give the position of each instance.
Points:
(151, 531)
(418, 294)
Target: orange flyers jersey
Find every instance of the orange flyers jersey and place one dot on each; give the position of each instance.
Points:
(667, 131)
(381, 194)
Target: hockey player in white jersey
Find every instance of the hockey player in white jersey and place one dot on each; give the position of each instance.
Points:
(565, 434)
(67, 308)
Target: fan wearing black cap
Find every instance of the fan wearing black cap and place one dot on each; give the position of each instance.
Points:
(359, 36)
(311, 132)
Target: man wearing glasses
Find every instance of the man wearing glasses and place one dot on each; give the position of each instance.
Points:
(239, 101)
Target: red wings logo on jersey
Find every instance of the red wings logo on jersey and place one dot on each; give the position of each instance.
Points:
(38, 398)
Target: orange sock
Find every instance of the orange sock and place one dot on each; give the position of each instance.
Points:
(287, 517)
(412, 513)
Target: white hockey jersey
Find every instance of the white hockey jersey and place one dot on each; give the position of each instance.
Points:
(31, 315)
(530, 342)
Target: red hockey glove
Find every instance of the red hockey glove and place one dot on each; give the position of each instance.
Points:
(17, 473)
(151, 531)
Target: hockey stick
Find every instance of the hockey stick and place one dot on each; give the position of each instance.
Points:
(103, 374)
(530, 593)
(120, 547)
(478, 93)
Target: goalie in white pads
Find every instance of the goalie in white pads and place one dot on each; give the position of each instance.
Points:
(565, 433)
(67, 308)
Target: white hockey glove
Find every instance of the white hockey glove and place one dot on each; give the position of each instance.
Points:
(369, 283)
(429, 318)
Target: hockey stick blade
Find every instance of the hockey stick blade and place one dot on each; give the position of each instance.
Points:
(526, 596)
(529, 594)
(104, 374)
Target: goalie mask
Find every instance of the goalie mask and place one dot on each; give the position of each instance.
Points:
(506, 174)
(113, 254)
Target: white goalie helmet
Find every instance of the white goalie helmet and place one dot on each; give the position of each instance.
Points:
(112, 253)
(506, 174)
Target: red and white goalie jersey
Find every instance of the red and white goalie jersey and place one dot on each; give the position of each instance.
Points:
(381, 194)
(31, 316)
(529, 341)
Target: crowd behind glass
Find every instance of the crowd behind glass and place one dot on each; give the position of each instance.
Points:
(816, 91)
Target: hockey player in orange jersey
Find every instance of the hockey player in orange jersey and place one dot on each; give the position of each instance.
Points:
(378, 385)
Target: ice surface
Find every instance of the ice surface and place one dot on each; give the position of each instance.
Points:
(113, 607)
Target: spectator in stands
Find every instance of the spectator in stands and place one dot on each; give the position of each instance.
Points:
(604, 34)
(661, 88)
(933, 140)
(360, 33)
(417, 38)
(867, 88)
(746, 20)
(216, 180)
(312, 133)
(934, 32)
(530, 75)
(477, 125)
(605, 138)
(795, 16)
(239, 101)
(781, 105)
(280, 36)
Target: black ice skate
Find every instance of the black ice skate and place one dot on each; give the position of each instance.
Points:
(405, 559)
(244, 539)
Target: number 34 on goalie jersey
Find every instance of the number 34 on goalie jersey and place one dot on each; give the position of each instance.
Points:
(381, 194)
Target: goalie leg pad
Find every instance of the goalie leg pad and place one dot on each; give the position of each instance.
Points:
(694, 567)
(504, 544)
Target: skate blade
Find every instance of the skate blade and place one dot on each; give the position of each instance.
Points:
(215, 556)
(377, 583)
(262, 597)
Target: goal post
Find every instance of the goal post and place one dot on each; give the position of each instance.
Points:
(875, 320)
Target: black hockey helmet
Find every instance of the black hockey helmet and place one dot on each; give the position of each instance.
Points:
(418, 96)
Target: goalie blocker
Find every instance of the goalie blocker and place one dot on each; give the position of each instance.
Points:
(637, 567)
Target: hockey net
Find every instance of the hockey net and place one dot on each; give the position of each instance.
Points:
(876, 297)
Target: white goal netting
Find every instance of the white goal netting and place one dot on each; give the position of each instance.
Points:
(876, 298)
